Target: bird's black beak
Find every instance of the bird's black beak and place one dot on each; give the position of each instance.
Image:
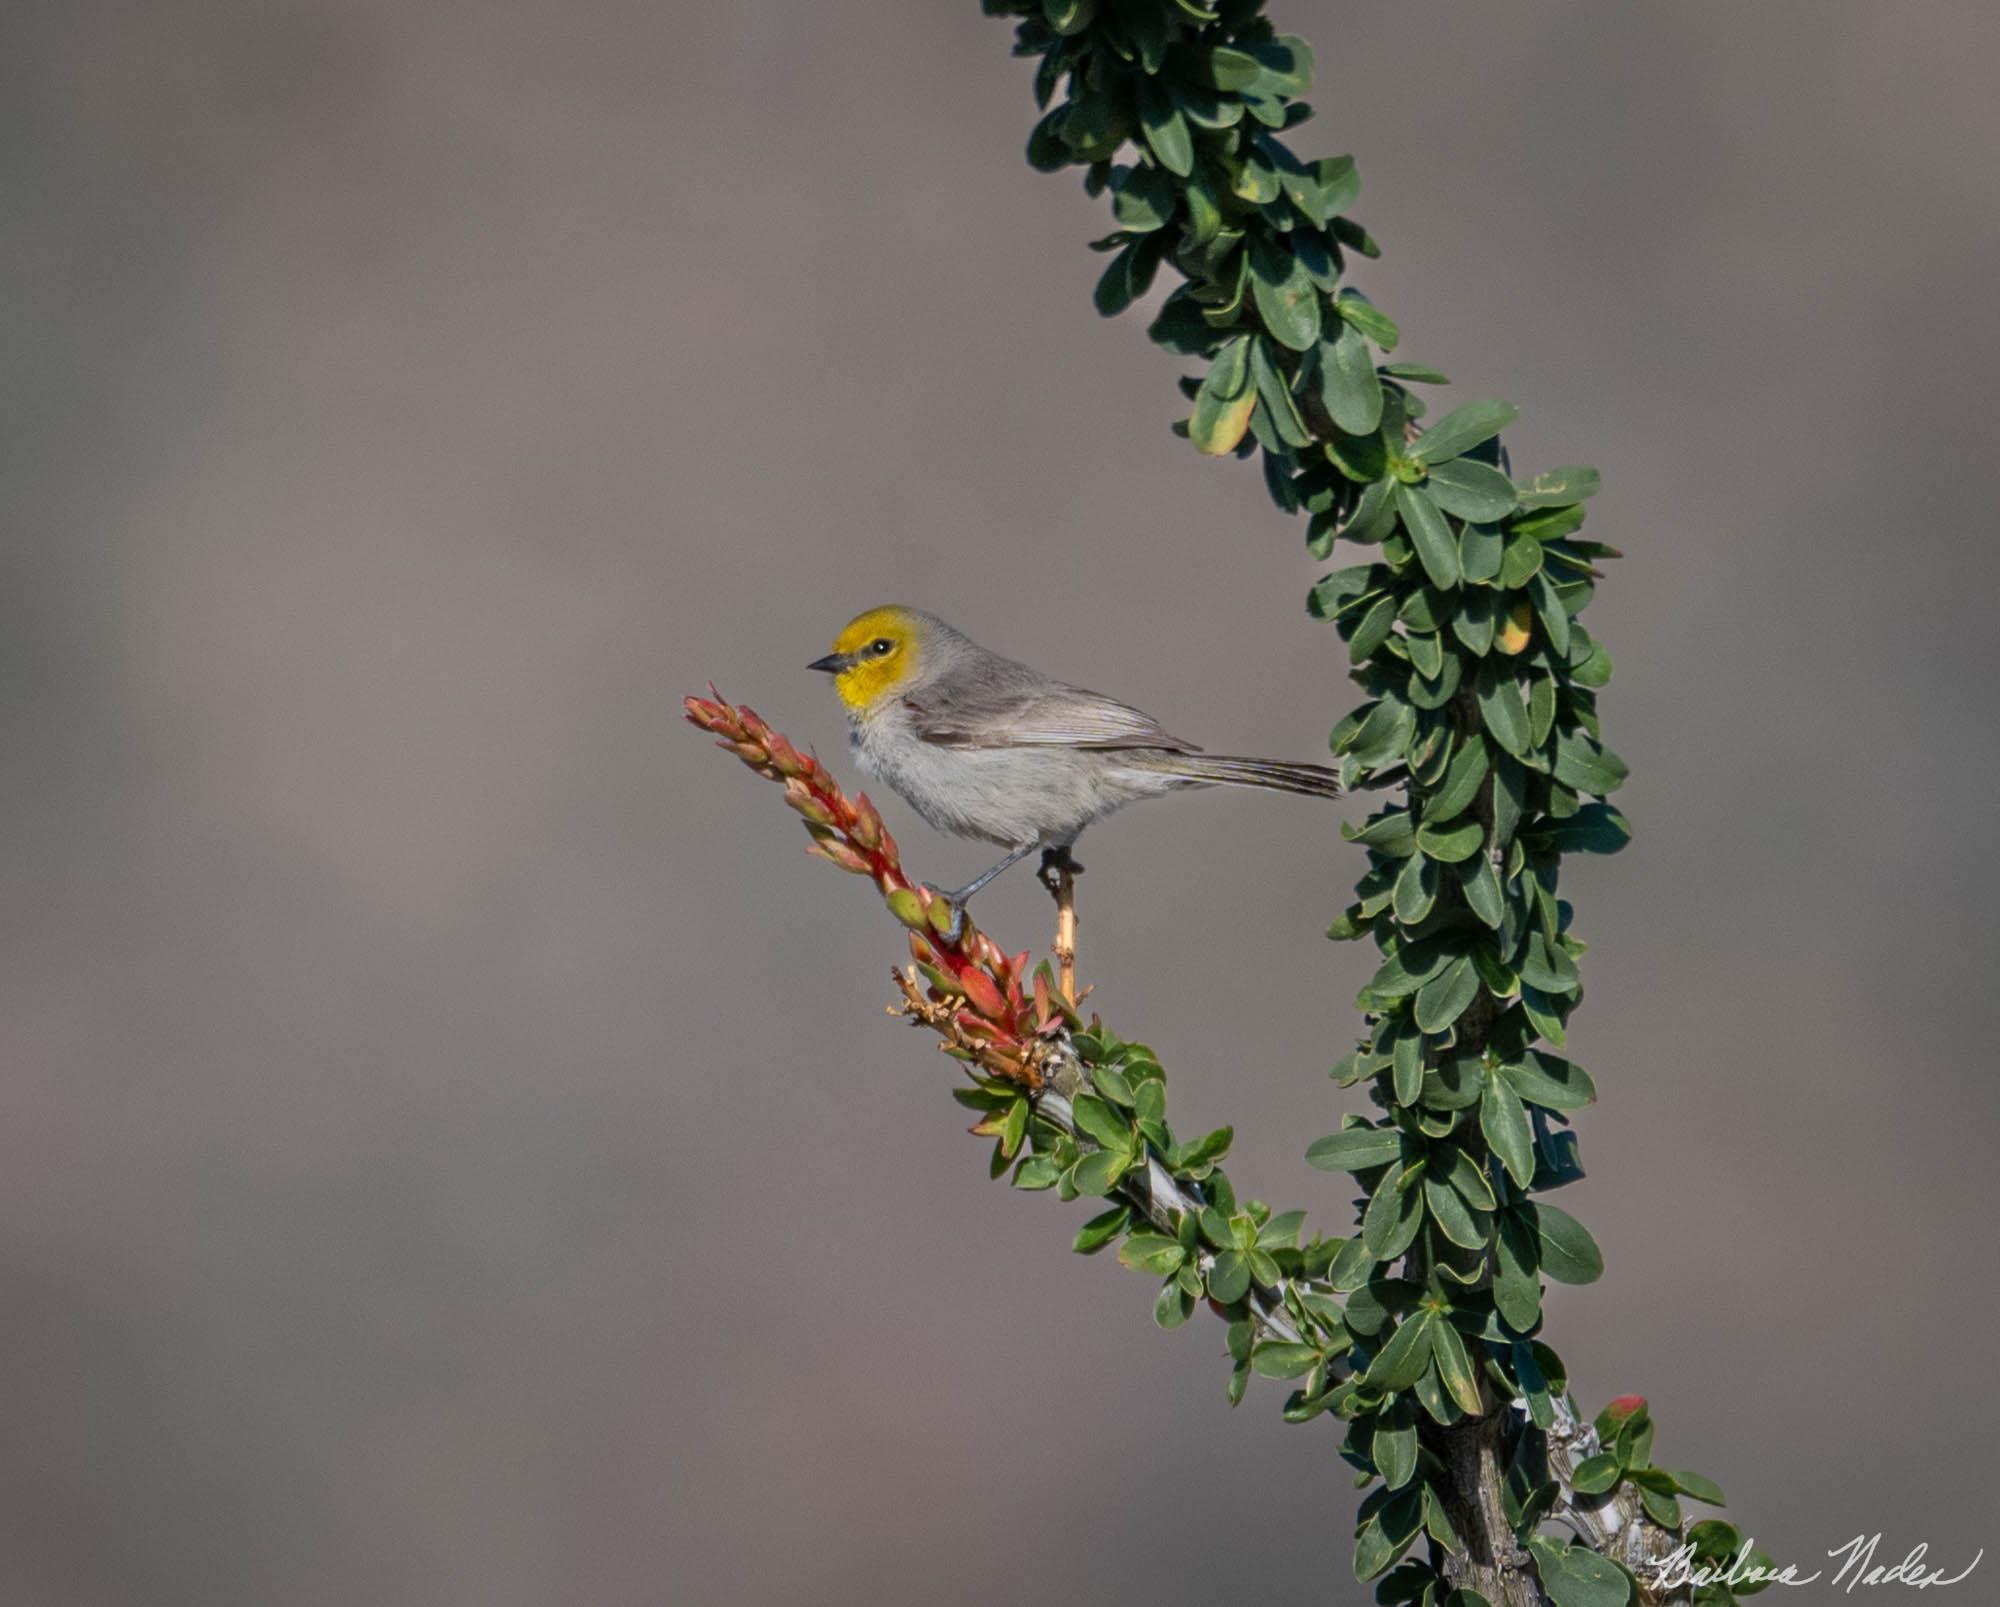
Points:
(833, 663)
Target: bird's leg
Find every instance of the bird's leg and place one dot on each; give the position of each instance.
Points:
(963, 896)
(1058, 874)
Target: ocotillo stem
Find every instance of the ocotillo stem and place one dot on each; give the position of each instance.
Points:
(1065, 945)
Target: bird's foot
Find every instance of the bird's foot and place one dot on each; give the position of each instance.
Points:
(955, 902)
(1055, 862)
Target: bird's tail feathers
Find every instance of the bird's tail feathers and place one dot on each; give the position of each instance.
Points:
(1225, 770)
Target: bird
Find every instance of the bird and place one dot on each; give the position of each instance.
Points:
(989, 748)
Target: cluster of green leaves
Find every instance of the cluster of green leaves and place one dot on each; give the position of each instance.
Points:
(1461, 625)
(1245, 1261)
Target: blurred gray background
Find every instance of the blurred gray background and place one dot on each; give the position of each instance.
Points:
(451, 1150)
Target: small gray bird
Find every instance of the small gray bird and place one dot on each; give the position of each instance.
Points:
(982, 746)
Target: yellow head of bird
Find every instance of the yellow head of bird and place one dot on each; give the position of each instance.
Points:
(874, 656)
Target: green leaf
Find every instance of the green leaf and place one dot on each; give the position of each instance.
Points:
(1113, 1085)
(1101, 1229)
(1401, 1362)
(1377, 325)
(1443, 1001)
(1409, 968)
(1288, 65)
(1229, 374)
(1364, 459)
(1469, 489)
(1314, 255)
(1098, 1172)
(1452, 841)
(1596, 828)
(1555, 616)
(1128, 277)
(1522, 562)
(1548, 967)
(1594, 668)
(1416, 888)
(1455, 1367)
(1287, 300)
(1554, 487)
(1455, 794)
(1596, 1474)
(1541, 708)
(1166, 129)
(1351, 1266)
(1277, 397)
(1477, 616)
(1339, 184)
(1575, 1577)
(1037, 1172)
(1504, 1121)
(1069, 16)
(1392, 833)
(1585, 765)
(1143, 199)
(1517, 1290)
(1661, 1507)
(1407, 1063)
(1701, 1488)
(1394, 1449)
(1223, 404)
(1391, 1221)
(1255, 180)
(1499, 697)
(1481, 886)
(1279, 1360)
(1151, 1252)
(1372, 1550)
(1229, 1277)
(1097, 1119)
(1480, 550)
(1540, 1011)
(1230, 70)
(1550, 1081)
(1431, 1396)
(1301, 187)
(1355, 1149)
(1452, 1215)
(1373, 630)
(1460, 430)
(1173, 1305)
(1568, 1253)
(1385, 734)
(1429, 534)
(1353, 390)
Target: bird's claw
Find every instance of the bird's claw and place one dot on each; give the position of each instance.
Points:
(1055, 861)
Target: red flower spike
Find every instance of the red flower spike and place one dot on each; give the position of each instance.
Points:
(997, 1027)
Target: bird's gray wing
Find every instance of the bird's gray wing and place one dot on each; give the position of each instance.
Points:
(1049, 715)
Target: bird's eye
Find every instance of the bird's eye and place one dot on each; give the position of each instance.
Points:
(881, 646)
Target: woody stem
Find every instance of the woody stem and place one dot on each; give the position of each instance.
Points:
(1065, 944)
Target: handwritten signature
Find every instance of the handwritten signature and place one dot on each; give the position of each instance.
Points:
(1859, 1568)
